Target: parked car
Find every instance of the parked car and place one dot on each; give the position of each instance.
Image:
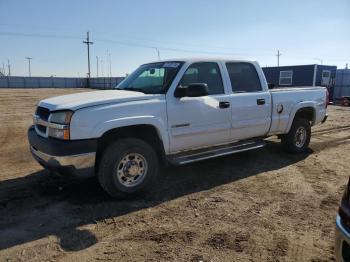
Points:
(342, 231)
(174, 112)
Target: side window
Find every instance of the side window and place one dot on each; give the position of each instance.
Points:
(204, 72)
(244, 77)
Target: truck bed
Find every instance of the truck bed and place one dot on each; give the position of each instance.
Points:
(296, 88)
(291, 98)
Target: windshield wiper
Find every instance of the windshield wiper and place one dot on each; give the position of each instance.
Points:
(132, 89)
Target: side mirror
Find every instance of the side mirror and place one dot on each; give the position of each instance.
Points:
(271, 85)
(192, 90)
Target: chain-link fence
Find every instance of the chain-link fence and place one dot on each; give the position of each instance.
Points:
(59, 82)
(104, 82)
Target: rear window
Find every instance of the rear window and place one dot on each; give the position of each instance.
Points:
(244, 77)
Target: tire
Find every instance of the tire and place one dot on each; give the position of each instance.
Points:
(127, 168)
(298, 138)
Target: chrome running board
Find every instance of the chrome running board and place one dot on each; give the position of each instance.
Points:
(202, 154)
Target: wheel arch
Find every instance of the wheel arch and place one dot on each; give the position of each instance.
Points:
(306, 110)
(146, 132)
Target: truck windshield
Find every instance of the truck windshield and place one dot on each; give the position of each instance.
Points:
(154, 78)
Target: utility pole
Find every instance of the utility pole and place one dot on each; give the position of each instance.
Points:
(108, 64)
(278, 57)
(109, 67)
(29, 58)
(9, 67)
(319, 59)
(96, 66)
(88, 43)
(158, 53)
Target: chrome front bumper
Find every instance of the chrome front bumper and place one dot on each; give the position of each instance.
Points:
(342, 237)
(79, 165)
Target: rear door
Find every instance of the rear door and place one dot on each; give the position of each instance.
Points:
(250, 104)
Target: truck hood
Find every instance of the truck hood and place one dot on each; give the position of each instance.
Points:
(86, 99)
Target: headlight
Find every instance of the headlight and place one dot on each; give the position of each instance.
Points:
(60, 127)
(61, 117)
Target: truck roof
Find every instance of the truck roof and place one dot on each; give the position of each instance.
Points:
(202, 59)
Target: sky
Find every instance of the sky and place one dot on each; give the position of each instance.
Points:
(131, 32)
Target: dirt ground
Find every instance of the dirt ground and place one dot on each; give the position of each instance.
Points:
(263, 205)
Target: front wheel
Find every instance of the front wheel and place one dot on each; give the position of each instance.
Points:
(298, 138)
(127, 167)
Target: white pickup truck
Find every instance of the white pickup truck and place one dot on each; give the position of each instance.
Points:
(177, 112)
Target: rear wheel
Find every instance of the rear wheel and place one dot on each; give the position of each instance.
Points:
(127, 167)
(298, 138)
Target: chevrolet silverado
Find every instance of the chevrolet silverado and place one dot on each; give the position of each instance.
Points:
(177, 112)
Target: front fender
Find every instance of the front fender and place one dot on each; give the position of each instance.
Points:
(93, 122)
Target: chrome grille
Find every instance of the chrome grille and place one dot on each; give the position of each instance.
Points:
(41, 128)
(43, 113)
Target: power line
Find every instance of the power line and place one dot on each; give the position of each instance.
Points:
(135, 38)
(184, 50)
(116, 42)
(162, 42)
(41, 35)
(193, 45)
(160, 47)
(126, 43)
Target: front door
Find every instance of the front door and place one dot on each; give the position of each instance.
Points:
(250, 104)
(195, 122)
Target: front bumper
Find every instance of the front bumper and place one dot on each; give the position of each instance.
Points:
(64, 157)
(342, 242)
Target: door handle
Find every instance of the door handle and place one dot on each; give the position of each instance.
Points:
(260, 101)
(224, 104)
